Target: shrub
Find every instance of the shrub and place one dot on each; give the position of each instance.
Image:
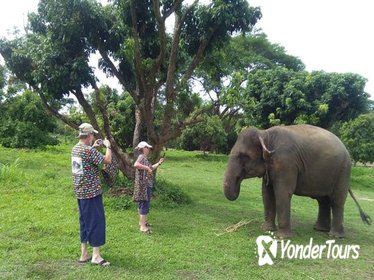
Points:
(358, 135)
(169, 195)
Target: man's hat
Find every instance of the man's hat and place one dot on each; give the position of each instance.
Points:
(86, 129)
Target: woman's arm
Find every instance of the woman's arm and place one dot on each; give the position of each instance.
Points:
(156, 165)
(140, 166)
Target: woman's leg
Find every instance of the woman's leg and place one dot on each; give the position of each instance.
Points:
(143, 212)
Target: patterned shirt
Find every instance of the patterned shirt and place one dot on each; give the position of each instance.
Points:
(142, 180)
(85, 162)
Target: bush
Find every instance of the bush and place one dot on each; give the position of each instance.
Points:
(24, 123)
(119, 203)
(169, 195)
(358, 135)
(208, 135)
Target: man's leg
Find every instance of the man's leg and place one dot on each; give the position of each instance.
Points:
(97, 258)
(83, 233)
(84, 253)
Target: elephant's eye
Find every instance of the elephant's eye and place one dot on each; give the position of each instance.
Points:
(243, 157)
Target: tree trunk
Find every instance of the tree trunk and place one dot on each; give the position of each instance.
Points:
(138, 126)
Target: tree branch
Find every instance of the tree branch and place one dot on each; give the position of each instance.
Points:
(116, 73)
(87, 109)
(176, 5)
(162, 36)
(53, 111)
(170, 90)
(194, 118)
(124, 159)
(137, 55)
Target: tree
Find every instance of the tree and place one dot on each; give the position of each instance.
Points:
(208, 135)
(283, 96)
(223, 73)
(153, 65)
(358, 135)
(24, 123)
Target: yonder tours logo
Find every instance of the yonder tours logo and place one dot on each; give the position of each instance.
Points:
(268, 251)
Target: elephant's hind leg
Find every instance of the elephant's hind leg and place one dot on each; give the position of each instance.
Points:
(337, 228)
(324, 214)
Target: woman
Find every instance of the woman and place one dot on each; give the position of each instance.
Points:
(144, 183)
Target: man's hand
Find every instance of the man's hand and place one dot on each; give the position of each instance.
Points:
(106, 143)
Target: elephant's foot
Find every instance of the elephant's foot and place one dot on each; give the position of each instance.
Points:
(268, 226)
(284, 234)
(336, 234)
(325, 227)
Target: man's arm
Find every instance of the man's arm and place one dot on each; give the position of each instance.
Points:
(108, 152)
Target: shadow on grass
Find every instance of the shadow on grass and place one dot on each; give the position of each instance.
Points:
(201, 216)
(198, 156)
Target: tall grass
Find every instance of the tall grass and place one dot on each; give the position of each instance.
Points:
(10, 171)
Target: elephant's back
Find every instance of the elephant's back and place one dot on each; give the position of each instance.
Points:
(310, 137)
(319, 155)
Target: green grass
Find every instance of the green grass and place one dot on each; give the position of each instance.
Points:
(39, 231)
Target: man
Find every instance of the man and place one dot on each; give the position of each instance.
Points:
(86, 162)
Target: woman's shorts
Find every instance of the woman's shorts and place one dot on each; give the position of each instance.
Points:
(145, 205)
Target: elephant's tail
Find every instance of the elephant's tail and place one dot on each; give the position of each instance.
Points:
(364, 217)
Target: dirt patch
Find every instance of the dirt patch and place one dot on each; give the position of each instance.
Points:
(121, 192)
(365, 199)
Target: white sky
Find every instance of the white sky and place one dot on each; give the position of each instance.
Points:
(329, 35)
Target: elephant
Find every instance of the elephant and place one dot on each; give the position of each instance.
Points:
(302, 160)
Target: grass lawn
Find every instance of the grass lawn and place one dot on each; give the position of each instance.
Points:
(39, 230)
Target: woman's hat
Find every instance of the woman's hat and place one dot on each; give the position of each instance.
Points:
(142, 145)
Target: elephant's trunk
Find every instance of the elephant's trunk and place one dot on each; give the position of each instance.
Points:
(231, 186)
(231, 192)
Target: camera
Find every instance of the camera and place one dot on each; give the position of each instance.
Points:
(99, 142)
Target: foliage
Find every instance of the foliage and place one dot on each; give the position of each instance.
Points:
(208, 135)
(2, 81)
(121, 111)
(358, 135)
(223, 73)
(133, 45)
(169, 194)
(130, 38)
(24, 123)
(283, 96)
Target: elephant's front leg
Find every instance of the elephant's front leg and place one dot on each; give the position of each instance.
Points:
(283, 209)
(269, 207)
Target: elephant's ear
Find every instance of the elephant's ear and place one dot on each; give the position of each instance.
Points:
(266, 154)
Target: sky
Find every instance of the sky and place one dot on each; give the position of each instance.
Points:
(328, 35)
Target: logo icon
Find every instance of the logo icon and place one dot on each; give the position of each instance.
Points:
(267, 249)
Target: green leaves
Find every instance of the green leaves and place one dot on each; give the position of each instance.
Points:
(358, 135)
(287, 97)
(24, 123)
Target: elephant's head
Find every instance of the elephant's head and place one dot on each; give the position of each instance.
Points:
(247, 159)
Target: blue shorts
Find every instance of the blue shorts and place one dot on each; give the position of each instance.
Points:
(92, 221)
(144, 205)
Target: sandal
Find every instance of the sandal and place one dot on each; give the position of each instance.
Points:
(147, 231)
(102, 263)
(86, 260)
(147, 224)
